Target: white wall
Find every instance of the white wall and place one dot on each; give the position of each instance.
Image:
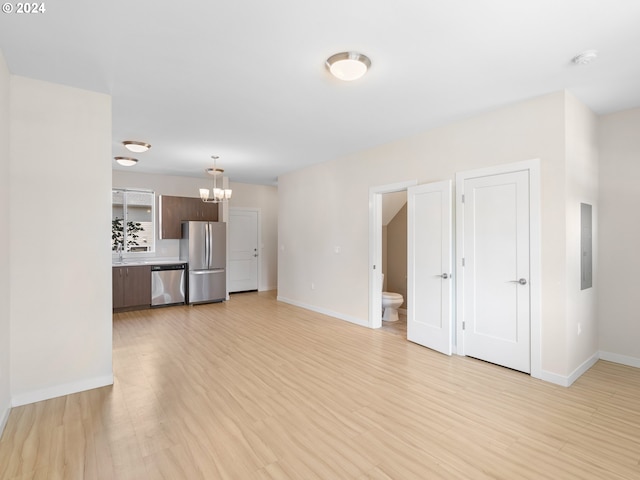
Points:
(581, 187)
(619, 327)
(5, 276)
(327, 205)
(244, 195)
(60, 183)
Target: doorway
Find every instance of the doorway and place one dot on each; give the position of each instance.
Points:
(394, 261)
(375, 247)
(428, 272)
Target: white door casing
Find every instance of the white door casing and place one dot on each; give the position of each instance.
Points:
(429, 257)
(244, 249)
(498, 265)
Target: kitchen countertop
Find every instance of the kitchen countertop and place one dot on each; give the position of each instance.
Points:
(146, 261)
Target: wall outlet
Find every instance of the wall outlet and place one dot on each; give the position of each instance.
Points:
(579, 328)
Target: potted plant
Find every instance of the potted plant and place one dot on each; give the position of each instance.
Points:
(117, 233)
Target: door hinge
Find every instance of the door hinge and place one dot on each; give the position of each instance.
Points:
(462, 198)
(374, 267)
(463, 325)
(463, 261)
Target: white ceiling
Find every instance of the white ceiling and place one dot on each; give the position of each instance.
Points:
(245, 80)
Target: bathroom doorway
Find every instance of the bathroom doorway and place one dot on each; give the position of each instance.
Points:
(427, 225)
(378, 246)
(394, 259)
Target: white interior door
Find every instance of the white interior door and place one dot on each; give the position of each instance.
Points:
(243, 250)
(429, 284)
(496, 266)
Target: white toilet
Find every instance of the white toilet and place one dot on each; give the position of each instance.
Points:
(391, 302)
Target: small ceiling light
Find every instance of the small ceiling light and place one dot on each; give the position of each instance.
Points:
(215, 194)
(137, 147)
(348, 66)
(126, 161)
(585, 57)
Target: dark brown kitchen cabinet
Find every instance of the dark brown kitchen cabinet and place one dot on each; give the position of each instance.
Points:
(131, 287)
(175, 210)
(172, 209)
(198, 210)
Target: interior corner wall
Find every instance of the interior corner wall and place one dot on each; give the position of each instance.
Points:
(619, 236)
(581, 187)
(5, 277)
(60, 212)
(335, 194)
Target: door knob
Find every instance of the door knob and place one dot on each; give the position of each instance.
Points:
(522, 281)
(445, 275)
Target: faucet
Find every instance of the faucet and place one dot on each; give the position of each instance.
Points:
(119, 250)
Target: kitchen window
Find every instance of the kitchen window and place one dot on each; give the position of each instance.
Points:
(132, 220)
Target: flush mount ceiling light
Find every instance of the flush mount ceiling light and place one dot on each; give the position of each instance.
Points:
(585, 57)
(126, 161)
(137, 147)
(348, 66)
(215, 194)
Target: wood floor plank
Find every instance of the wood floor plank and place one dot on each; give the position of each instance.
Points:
(256, 389)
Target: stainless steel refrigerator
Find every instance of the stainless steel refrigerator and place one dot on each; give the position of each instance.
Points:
(204, 247)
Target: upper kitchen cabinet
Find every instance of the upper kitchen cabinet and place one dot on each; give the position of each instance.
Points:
(175, 210)
(198, 210)
(171, 211)
(132, 220)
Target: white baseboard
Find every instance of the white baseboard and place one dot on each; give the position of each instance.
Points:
(61, 390)
(621, 359)
(324, 311)
(586, 365)
(567, 381)
(4, 416)
(554, 378)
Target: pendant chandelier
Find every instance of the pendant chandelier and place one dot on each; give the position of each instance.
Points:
(215, 194)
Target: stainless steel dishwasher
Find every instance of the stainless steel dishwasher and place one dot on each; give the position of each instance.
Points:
(167, 284)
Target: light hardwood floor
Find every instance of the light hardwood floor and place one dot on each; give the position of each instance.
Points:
(253, 388)
(398, 327)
